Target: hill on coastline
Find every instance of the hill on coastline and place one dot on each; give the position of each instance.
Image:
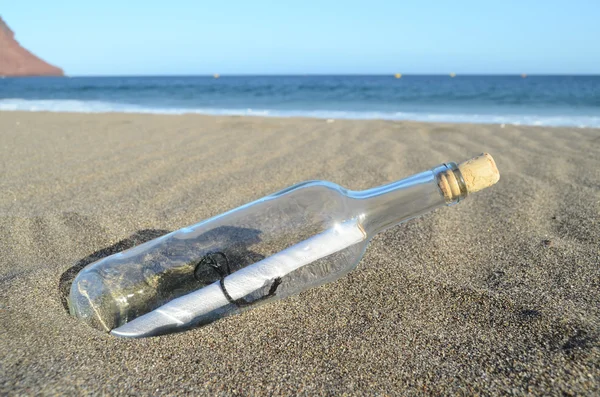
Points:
(17, 61)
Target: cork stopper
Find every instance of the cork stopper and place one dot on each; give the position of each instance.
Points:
(479, 173)
(469, 177)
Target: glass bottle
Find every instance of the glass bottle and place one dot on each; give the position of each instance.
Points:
(301, 237)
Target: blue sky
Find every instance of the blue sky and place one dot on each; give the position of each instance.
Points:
(295, 37)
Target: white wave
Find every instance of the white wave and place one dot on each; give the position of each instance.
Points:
(68, 105)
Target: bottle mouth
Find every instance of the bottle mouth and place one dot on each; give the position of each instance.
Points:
(451, 182)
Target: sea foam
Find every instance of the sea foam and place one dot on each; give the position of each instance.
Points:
(91, 106)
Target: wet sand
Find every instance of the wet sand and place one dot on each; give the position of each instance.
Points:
(499, 294)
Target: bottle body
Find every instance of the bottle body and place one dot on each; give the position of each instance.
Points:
(298, 238)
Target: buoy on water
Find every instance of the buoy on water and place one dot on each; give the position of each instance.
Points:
(398, 75)
(216, 75)
(452, 74)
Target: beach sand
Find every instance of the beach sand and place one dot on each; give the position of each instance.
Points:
(499, 294)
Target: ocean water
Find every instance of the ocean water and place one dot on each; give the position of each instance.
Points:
(535, 100)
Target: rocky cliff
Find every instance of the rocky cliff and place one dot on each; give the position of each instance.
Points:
(17, 61)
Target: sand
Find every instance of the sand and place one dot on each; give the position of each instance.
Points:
(499, 294)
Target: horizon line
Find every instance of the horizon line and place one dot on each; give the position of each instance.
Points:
(220, 75)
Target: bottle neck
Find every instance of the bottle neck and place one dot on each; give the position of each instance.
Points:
(389, 205)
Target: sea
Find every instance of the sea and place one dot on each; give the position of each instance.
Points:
(520, 100)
